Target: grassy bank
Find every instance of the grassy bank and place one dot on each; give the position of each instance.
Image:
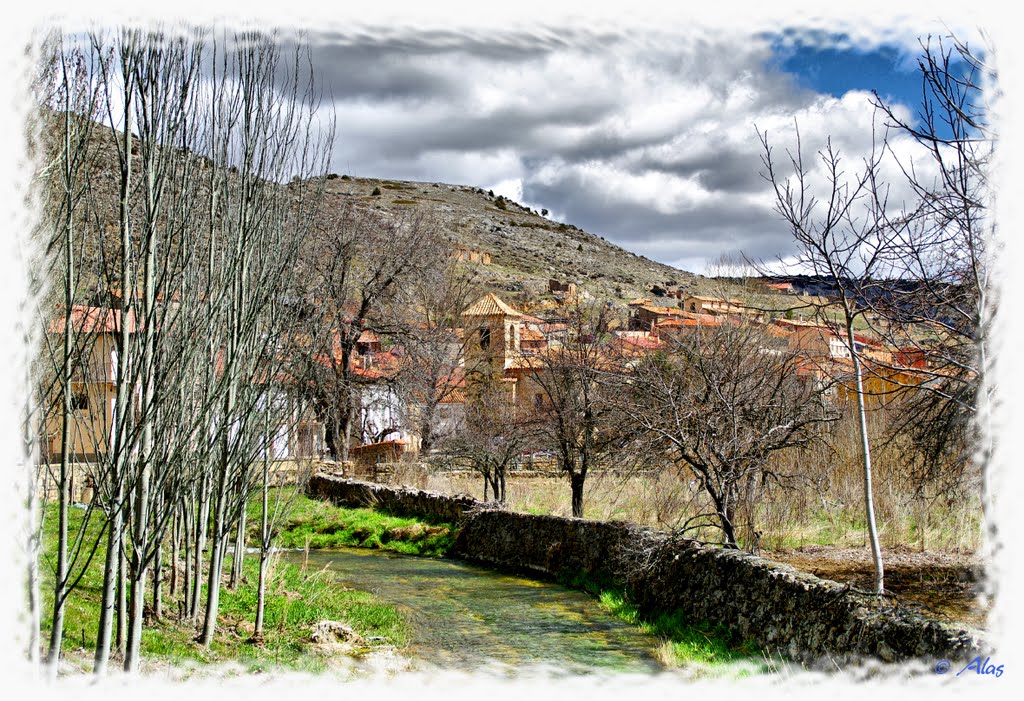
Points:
(312, 523)
(296, 599)
(683, 643)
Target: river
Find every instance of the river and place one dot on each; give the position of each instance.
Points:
(465, 617)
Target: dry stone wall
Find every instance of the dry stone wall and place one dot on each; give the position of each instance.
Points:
(397, 500)
(785, 611)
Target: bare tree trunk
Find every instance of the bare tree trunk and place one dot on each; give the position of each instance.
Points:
(121, 442)
(261, 587)
(217, 536)
(344, 441)
(186, 578)
(865, 444)
(238, 558)
(261, 596)
(122, 598)
(175, 551)
(34, 592)
(110, 570)
(576, 481)
(202, 524)
(60, 575)
(158, 572)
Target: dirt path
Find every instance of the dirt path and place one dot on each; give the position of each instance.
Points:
(943, 584)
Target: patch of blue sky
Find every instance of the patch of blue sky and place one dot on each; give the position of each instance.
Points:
(834, 65)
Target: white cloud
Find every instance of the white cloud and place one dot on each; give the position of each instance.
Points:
(636, 140)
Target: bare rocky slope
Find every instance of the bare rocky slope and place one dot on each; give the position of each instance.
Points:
(526, 249)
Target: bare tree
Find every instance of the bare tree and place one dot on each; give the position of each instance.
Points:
(69, 102)
(940, 308)
(919, 276)
(575, 418)
(721, 401)
(274, 139)
(491, 435)
(355, 262)
(427, 315)
(844, 237)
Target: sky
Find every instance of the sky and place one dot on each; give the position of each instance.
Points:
(648, 138)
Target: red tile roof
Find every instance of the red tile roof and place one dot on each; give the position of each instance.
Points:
(490, 305)
(86, 319)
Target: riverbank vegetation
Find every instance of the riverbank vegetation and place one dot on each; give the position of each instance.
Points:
(684, 643)
(311, 523)
(297, 598)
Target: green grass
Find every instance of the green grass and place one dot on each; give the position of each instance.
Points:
(296, 599)
(319, 524)
(684, 643)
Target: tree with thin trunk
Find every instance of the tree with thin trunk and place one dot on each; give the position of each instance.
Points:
(69, 104)
(844, 237)
(491, 435)
(574, 416)
(941, 305)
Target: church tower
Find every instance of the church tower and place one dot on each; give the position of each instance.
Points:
(492, 333)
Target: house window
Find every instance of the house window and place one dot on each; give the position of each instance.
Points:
(80, 401)
(485, 338)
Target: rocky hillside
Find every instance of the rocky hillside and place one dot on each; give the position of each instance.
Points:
(526, 249)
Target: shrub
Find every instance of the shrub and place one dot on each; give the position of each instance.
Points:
(376, 192)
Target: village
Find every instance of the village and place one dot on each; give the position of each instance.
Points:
(506, 341)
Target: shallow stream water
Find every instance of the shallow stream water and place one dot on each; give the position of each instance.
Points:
(466, 617)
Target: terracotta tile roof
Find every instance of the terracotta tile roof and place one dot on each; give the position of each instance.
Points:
(455, 395)
(794, 323)
(666, 311)
(529, 335)
(86, 319)
(707, 298)
(688, 323)
(777, 331)
(698, 316)
(490, 305)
